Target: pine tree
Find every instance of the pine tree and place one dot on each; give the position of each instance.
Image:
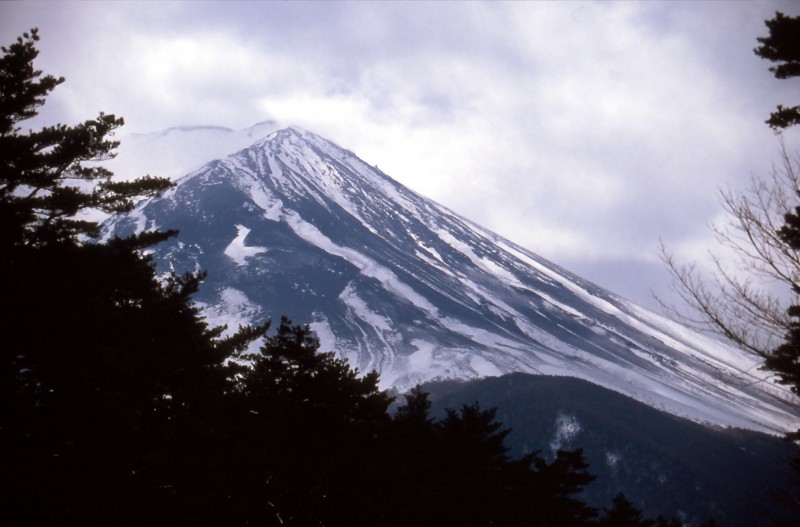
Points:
(785, 359)
(467, 477)
(560, 481)
(315, 428)
(44, 180)
(476, 472)
(109, 377)
(782, 46)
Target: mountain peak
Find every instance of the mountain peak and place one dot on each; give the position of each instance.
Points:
(289, 135)
(394, 282)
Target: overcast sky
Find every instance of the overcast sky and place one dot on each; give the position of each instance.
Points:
(583, 131)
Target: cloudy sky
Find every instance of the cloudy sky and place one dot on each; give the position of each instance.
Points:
(584, 131)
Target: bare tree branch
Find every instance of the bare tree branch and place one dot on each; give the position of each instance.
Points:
(738, 303)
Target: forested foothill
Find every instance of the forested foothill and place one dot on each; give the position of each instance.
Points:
(662, 462)
(121, 406)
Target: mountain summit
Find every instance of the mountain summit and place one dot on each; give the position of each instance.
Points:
(395, 282)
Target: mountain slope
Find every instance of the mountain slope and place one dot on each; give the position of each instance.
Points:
(395, 282)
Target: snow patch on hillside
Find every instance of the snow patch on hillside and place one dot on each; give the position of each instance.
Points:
(422, 359)
(567, 428)
(232, 309)
(483, 367)
(322, 330)
(366, 265)
(238, 251)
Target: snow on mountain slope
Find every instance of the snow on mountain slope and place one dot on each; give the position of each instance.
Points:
(395, 282)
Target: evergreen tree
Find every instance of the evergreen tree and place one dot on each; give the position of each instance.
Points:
(316, 428)
(108, 376)
(476, 480)
(414, 475)
(44, 181)
(560, 482)
(416, 411)
(662, 521)
(458, 472)
(785, 359)
(782, 46)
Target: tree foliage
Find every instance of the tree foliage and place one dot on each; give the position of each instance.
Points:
(105, 371)
(44, 178)
(755, 305)
(339, 458)
(782, 47)
(457, 471)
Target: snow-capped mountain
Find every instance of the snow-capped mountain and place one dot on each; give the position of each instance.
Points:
(294, 224)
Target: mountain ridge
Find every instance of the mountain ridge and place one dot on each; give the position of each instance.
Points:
(395, 282)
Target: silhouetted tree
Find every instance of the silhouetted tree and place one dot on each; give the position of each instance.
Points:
(782, 46)
(474, 463)
(412, 472)
(561, 481)
(319, 427)
(458, 471)
(416, 410)
(44, 181)
(109, 376)
(763, 232)
(740, 305)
